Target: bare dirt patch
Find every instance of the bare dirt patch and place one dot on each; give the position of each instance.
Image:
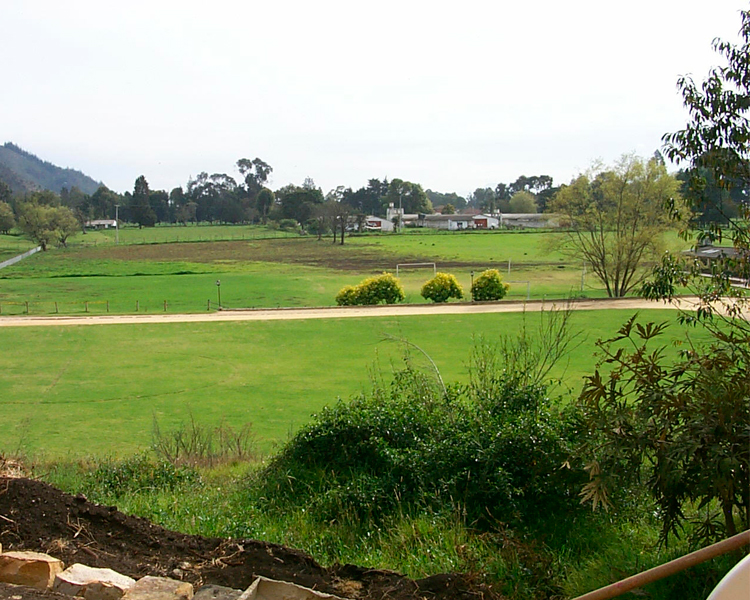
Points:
(295, 251)
(298, 251)
(35, 516)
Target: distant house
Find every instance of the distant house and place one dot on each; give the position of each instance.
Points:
(101, 224)
(377, 224)
(486, 222)
(448, 222)
(458, 222)
(528, 220)
(711, 257)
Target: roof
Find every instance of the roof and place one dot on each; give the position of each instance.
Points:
(448, 217)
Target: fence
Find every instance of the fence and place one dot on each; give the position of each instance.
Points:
(20, 257)
(8, 308)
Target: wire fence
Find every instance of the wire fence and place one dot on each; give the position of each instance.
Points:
(93, 307)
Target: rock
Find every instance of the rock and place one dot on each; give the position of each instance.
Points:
(216, 592)
(91, 583)
(159, 588)
(33, 569)
(270, 589)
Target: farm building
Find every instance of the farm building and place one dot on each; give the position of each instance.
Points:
(528, 220)
(101, 224)
(377, 224)
(458, 222)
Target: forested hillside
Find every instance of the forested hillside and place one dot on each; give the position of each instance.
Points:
(24, 172)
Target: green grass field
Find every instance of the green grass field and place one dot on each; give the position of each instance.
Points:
(95, 390)
(13, 245)
(270, 271)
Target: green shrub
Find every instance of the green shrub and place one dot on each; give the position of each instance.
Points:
(489, 286)
(383, 288)
(347, 296)
(288, 225)
(411, 447)
(137, 473)
(442, 287)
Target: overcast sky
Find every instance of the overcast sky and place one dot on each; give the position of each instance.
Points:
(453, 95)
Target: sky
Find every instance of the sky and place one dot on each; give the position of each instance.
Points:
(452, 95)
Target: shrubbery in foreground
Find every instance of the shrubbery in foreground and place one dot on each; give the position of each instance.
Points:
(383, 288)
(442, 287)
(493, 454)
(489, 286)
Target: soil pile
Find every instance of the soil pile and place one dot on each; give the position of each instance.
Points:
(35, 516)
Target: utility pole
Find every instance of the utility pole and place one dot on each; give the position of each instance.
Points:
(400, 211)
(117, 223)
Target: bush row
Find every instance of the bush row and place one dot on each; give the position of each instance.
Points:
(387, 289)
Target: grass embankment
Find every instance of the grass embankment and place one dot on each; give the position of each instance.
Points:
(274, 272)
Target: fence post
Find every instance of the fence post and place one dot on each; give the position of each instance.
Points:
(136, 306)
(107, 305)
(86, 306)
(27, 307)
(208, 306)
(165, 306)
(56, 308)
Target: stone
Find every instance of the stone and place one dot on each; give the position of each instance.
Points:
(159, 588)
(270, 589)
(216, 592)
(32, 569)
(91, 583)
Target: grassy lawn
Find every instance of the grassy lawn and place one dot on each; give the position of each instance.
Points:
(165, 234)
(269, 272)
(71, 391)
(13, 245)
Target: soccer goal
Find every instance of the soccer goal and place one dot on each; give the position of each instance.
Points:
(416, 266)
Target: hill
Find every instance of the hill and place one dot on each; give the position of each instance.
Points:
(24, 172)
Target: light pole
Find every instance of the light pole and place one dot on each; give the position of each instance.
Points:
(117, 223)
(400, 211)
(218, 290)
(472, 285)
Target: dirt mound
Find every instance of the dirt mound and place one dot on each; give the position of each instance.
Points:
(36, 516)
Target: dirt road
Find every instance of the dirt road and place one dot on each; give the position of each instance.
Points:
(332, 312)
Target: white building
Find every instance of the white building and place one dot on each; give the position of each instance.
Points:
(377, 224)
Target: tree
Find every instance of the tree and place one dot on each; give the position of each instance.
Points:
(263, 202)
(682, 426)
(255, 172)
(103, 201)
(64, 225)
(522, 202)
(7, 219)
(688, 423)
(44, 223)
(616, 219)
(36, 221)
(6, 193)
(449, 209)
(140, 207)
(409, 196)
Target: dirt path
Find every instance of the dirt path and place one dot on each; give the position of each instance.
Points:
(279, 314)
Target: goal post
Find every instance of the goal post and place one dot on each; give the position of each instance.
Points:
(417, 266)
